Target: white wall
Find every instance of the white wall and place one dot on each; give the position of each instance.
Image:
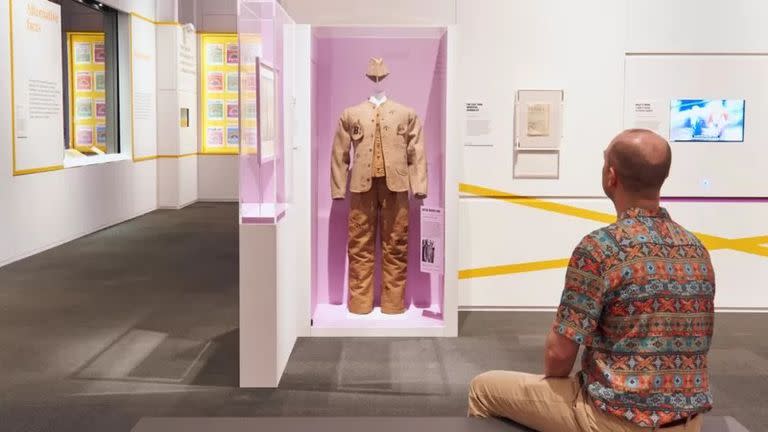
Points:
(604, 54)
(701, 171)
(372, 12)
(38, 211)
(218, 178)
(639, 50)
(525, 236)
(177, 146)
(217, 174)
(218, 16)
(546, 45)
(697, 26)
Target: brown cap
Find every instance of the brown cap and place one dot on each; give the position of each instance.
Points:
(377, 69)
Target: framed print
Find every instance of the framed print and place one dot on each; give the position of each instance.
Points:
(101, 109)
(233, 110)
(215, 53)
(267, 109)
(233, 83)
(82, 52)
(84, 81)
(99, 55)
(99, 81)
(83, 108)
(85, 136)
(233, 136)
(215, 81)
(101, 135)
(539, 119)
(216, 110)
(233, 53)
(215, 137)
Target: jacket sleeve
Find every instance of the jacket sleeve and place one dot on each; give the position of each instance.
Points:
(417, 159)
(340, 159)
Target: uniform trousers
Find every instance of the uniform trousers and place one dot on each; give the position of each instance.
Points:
(378, 207)
(549, 405)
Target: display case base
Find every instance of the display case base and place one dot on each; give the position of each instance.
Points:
(261, 213)
(337, 321)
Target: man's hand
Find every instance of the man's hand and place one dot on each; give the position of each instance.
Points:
(559, 355)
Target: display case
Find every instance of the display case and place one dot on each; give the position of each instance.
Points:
(262, 29)
(412, 91)
(87, 92)
(301, 159)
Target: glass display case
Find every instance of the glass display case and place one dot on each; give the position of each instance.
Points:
(263, 27)
(379, 142)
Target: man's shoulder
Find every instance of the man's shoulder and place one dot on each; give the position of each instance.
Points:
(600, 241)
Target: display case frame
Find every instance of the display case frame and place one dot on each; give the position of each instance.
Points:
(278, 255)
(420, 67)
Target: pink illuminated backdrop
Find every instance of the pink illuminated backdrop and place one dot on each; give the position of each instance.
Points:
(417, 62)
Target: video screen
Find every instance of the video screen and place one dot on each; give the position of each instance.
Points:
(717, 120)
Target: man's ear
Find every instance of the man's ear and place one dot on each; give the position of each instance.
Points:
(613, 178)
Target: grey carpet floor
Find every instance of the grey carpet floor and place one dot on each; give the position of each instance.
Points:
(140, 320)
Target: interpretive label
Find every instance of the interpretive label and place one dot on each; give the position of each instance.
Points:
(432, 235)
(478, 125)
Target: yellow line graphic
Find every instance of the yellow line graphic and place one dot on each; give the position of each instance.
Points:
(750, 245)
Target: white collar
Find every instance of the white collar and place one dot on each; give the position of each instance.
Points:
(378, 99)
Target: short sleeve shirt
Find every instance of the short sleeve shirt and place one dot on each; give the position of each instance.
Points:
(639, 294)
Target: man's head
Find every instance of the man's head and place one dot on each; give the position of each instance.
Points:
(636, 164)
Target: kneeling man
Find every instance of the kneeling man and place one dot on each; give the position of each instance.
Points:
(639, 296)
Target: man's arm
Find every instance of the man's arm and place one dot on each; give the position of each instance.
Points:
(559, 355)
(577, 319)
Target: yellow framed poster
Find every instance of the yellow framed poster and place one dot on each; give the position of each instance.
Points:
(219, 93)
(87, 91)
(250, 51)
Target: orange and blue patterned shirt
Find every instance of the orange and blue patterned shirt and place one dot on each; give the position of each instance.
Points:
(639, 295)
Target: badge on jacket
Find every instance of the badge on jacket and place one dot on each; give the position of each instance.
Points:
(357, 131)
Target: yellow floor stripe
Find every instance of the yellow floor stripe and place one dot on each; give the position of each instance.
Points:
(751, 245)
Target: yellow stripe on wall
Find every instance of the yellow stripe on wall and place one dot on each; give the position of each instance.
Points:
(538, 204)
(38, 170)
(513, 268)
(750, 245)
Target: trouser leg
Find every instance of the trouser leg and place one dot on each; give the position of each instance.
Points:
(605, 422)
(362, 237)
(542, 404)
(394, 248)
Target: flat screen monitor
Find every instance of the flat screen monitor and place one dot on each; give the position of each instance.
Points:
(713, 120)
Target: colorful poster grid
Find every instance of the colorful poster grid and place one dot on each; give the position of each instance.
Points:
(87, 91)
(220, 99)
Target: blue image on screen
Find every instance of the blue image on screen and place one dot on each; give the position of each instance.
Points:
(716, 120)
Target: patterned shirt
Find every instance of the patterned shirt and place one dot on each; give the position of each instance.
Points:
(639, 294)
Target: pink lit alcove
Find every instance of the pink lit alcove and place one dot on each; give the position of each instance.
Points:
(416, 58)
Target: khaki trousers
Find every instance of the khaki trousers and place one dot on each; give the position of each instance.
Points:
(368, 210)
(548, 405)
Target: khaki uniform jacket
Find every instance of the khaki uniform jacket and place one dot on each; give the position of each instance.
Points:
(402, 145)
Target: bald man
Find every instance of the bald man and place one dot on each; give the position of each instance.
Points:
(639, 297)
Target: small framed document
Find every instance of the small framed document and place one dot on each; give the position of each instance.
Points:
(539, 119)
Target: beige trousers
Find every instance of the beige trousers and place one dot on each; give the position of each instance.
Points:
(368, 210)
(548, 405)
